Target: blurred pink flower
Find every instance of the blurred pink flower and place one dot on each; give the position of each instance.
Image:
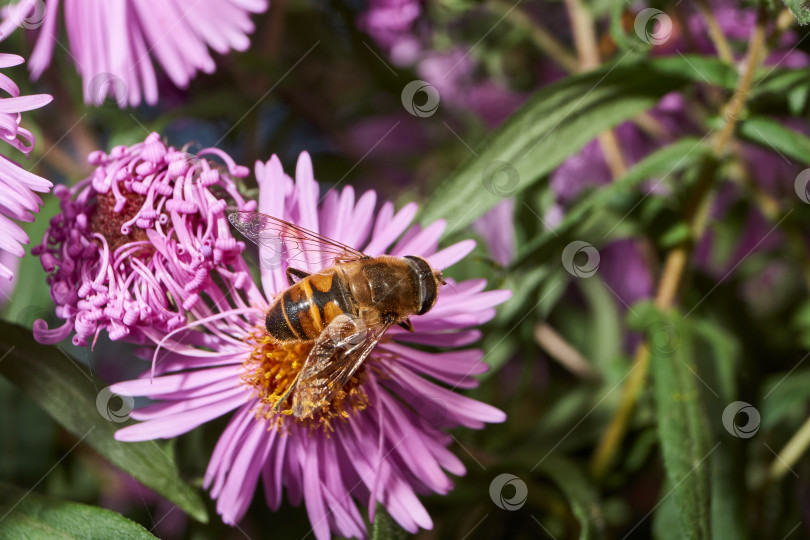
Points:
(17, 186)
(112, 42)
(390, 22)
(453, 74)
(497, 229)
(138, 241)
(382, 440)
(623, 268)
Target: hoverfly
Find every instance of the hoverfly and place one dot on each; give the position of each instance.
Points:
(344, 309)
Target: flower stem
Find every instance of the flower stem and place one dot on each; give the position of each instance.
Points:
(563, 352)
(584, 35)
(588, 51)
(715, 33)
(697, 216)
(790, 454)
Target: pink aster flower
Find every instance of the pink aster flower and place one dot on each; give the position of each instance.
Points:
(497, 230)
(381, 439)
(17, 186)
(390, 22)
(138, 240)
(113, 43)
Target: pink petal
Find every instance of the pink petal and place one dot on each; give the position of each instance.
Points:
(177, 424)
(189, 381)
(451, 255)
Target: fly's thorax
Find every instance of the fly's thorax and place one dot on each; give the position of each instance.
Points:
(384, 283)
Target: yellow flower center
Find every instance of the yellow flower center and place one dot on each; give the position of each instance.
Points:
(273, 367)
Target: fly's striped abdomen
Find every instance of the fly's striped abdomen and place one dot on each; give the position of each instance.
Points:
(305, 309)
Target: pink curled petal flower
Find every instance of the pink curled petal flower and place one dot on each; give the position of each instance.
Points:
(112, 42)
(139, 240)
(17, 186)
(382, 439)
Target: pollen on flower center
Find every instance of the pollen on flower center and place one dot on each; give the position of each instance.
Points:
(107, 222)
(272, 367)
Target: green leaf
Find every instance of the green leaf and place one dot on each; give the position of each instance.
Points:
(68, 392)
(604, 337)
(662, 163)
(677, 234)
(385, 528)
(700, 69)
(772, 135)
(717, 353)
(25, 514)
(581, 495)
(682, 427)
(780, 81)
(789, 85)
(785, 395)
(666, 523)
(554, 124)
(22, 458)
(800, 10)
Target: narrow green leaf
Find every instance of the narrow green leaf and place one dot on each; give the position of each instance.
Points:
(666, 523)
(554, 124)
(21, 456)
(701, 69)
(800, 10)
(787, 396)
(773, 135)
(385, 528)
(677, 234)
(797, 99)
(780, 81)
(604, 337)
(659, 165)
(25, 514)
(717, 352)
(581, 495)
(69, 392)
(682, 427)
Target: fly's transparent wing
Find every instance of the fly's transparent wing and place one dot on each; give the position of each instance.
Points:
(280, 241)
(337, 354)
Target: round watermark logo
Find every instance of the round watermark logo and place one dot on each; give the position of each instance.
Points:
(664, 338)
(653, 26)
(508, 492)
(800, 185)
(425, 94)
(114, 407)
(104, 85)
(500, 179)
(572, 259)
(752, 419)
(28, 14)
